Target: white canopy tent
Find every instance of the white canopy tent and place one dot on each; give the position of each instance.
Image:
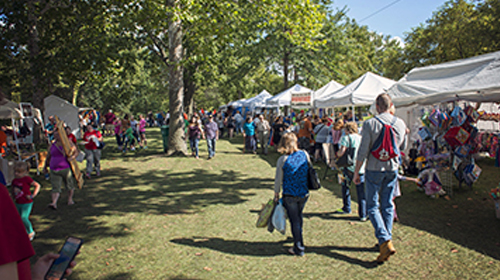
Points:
(237, 103)
(67, 112)
(361, 92)
(284, 98)
(475, 79)
(257, 101)
(9, 110)
(327, 89)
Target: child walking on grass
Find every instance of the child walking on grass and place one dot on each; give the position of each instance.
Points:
(21, 192)
(129, 138)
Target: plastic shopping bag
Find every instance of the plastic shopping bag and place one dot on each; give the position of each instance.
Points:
(279, 218)
(265, 213)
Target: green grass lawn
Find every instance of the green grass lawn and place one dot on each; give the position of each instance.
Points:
(154, 217)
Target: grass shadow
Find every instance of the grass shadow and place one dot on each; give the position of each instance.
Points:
(466, 219)
(271, 249)
(119, 192)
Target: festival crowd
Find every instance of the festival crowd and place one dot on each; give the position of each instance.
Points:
(300, 137)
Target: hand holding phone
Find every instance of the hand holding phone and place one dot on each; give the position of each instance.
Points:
(66, 256)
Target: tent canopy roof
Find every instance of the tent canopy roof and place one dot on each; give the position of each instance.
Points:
(471, 79)
(361, 92)
(284, 98)
(257, 101)
(237, 103)
(9, 110)
(327, 89)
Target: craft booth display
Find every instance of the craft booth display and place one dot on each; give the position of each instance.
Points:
(448, 139)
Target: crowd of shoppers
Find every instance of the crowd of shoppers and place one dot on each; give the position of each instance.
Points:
(298, 137)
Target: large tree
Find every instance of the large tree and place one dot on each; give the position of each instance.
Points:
(47, 43)
(207, 28)
(459, 29)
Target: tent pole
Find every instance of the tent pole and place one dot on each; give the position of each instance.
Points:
(353, 113)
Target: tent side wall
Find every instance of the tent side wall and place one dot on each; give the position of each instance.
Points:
(55, 106)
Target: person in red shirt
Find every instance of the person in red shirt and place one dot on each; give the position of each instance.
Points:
(21, 192)
(15, 246)
(109, 119)
(3, 143)
(92, 139)
(70, 135)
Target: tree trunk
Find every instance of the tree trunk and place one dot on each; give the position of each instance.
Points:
(189, 92)
(176, 137)
(34, 50)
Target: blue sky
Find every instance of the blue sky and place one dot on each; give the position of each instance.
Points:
(400, 17)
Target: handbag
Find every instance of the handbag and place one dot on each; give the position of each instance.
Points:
(347, 159)
(81, 156)
(265, 213)
(313, 182)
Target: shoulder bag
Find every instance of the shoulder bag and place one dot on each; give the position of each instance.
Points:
(313, 182)
(347, 159)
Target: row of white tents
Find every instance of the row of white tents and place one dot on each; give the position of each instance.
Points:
(475, 79)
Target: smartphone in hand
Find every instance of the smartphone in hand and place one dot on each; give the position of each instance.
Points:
(66, 256)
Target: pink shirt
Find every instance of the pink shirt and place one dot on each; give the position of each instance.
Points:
(142, 125)
(118, 126)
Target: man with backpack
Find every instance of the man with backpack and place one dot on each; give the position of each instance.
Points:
(382, 138)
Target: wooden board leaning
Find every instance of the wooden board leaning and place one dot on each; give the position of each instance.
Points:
(67, 149)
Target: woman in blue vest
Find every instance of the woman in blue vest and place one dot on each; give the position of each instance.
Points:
(291, 176)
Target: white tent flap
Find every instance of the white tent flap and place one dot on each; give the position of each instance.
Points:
(237, 103)
(361, 92)
(472, 79)
(55, 106)
(327, 89)
(257, 101)
(9, 110)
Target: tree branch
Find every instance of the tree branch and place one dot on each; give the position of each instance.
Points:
(159, 48)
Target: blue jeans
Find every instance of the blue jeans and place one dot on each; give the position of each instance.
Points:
(380, 184)
(193, 143)
(239, 127)
(250, 144)
(211, 147)
(294, 206)
(346, 194)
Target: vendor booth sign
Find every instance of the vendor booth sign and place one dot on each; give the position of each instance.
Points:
(301, 100)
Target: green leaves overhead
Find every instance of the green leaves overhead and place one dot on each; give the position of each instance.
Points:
(115, 53)
(459, 29)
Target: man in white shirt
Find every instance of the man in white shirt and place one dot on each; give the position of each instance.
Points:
(263, 129)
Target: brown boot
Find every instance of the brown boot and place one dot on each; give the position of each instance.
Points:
(386, 250)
